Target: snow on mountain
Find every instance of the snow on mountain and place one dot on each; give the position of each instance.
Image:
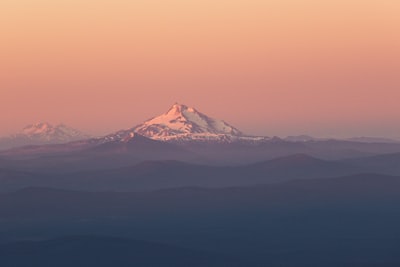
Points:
(52, 133)
(181, 120)
(42, 133)
(184, 124)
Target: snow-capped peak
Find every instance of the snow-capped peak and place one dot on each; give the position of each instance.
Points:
(38, 128)
(177, 109)
(42, 133)
(183, 124)
(182, 120)
(45, 131)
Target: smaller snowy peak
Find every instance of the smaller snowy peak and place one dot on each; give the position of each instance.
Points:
(40, 128)
(46, 132)
(181, 120)
(36, 128)
(42, 133)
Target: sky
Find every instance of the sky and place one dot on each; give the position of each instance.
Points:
(269, 67)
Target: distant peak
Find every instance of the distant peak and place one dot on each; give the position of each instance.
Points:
(48, 132)
(37, 127)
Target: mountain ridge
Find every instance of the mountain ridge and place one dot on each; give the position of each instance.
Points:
(181, 124)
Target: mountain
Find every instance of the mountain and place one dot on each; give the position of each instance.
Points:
(42, 133)
(186, 124)
(181, 120)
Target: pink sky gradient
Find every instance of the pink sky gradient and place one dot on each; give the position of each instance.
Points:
(278, 67)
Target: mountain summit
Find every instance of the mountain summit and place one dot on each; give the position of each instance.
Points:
(184, 121)
(42, 133)
(46, 132)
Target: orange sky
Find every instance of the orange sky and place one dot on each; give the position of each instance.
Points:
(273, 67)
